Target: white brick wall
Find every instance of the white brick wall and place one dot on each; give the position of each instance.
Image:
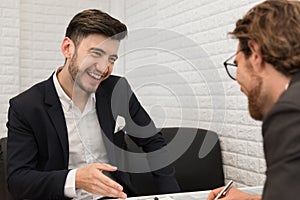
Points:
(43, 25)
(160, 71)
(31, 34)
(9, 56)
(180, 79)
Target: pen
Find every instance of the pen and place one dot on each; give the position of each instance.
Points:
(225, 189)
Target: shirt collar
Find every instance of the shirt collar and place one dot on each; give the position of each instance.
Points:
(287, 86)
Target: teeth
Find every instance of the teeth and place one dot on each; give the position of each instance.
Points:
(95, 76)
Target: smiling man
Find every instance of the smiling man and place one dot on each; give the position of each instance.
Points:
(267, 65)
(61, 140)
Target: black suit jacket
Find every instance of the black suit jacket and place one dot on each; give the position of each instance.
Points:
(38, 151)
(281, 133)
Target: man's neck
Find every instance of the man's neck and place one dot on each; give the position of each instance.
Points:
(66, 82)
(275, 84)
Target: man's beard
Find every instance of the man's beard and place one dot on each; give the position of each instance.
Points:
(256, 100)
(76, 75)
(73, 68)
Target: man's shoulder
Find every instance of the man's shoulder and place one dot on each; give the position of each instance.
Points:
(33, 93)
(291, 95)
(112, 79)
(288, 102)
(112, 82)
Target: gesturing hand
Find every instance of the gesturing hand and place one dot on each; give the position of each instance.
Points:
(91, 179)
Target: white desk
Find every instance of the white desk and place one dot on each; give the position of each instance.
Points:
(200, 195)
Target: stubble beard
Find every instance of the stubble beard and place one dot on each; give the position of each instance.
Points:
(256, 100)
(76, 76)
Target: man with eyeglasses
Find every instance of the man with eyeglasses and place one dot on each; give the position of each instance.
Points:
(267, 65)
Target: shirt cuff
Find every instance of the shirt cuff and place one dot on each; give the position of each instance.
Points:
(70, 190)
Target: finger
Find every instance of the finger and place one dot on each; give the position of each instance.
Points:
(106, 167)
(109, 191)
(119, 195)
(214, 193)
(211, 196)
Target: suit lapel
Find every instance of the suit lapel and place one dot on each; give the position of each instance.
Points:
(57, 116)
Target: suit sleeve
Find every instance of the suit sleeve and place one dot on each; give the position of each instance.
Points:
(281, 131)
(26, 177)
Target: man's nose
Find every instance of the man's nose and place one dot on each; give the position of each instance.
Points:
(102, 65)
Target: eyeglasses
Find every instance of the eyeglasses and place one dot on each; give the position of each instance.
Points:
(231, 66)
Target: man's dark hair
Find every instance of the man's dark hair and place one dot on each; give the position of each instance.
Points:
(94, 21)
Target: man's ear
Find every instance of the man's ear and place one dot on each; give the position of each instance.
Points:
(67, 48)
(255, 58)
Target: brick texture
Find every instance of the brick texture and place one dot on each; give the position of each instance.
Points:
(172, 57)
(31, 34)
(177, 72)
(9, 56)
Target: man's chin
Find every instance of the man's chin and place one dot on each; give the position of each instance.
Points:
(256, 114)
(90, 90)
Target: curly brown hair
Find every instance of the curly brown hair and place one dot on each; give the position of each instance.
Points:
(93, 21)
(275, 26)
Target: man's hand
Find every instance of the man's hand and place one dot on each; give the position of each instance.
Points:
(91, 179)
(233, 194)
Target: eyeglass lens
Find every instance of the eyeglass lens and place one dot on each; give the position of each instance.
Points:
(231, 67)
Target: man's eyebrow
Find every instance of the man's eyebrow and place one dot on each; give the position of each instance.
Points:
(103, 52)
(97, 49)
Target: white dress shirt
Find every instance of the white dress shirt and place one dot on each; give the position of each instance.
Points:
(86, 144)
